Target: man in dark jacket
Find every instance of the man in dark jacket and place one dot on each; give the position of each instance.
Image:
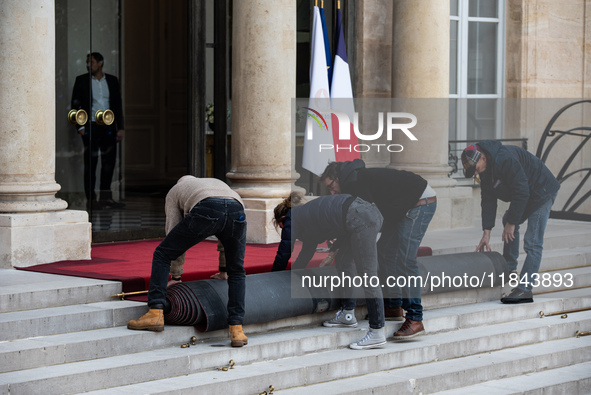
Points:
(105, 94)
(408, 204)
(513, 175)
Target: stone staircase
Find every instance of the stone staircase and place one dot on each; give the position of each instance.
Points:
(62, 335)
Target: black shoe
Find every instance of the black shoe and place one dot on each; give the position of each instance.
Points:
(111, 203)
(518, 296)
(94, 205)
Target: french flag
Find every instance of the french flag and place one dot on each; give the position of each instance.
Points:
(341, 95)
(318, 135)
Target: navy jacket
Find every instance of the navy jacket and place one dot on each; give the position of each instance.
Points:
(393, 191)
(318, 220)
(284, 249)
(515, 176)
(82, 99)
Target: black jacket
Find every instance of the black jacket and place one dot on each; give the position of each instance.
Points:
(284, 249)
(81, 97)
(393, 191)
(513, 175)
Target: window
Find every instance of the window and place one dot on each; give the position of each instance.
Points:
(476, 69)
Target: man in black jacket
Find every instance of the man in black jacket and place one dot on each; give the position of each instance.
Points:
(99, 91)
(513, 175)
(407, 203)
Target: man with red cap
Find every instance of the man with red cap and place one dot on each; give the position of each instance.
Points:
(513, 175)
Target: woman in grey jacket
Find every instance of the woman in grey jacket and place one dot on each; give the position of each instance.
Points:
(355, 224)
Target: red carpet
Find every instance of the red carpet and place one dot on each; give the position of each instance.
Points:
(131, 262)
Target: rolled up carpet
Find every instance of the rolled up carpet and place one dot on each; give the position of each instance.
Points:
(277, 295)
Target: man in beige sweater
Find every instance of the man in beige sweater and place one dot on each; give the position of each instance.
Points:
(197, 208)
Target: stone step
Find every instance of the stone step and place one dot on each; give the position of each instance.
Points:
(433, 363)
(106, 342)
(574, 379)
(562, 259)
(27, 353)
(562, 280)
(86, 345)
(23, 290)
(549, 282)
(66, 319)
(560, 234)
(299, 353)
(552, 358)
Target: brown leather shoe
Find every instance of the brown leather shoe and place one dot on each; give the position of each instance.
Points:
(394, 314)
(238, 337)
(409, 330)
(153, 320)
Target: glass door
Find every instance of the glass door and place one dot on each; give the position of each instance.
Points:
(121, 111)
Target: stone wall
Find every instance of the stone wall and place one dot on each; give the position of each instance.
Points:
(548, 65)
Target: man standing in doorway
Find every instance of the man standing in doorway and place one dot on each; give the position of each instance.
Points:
(99, 91)
(513, 175)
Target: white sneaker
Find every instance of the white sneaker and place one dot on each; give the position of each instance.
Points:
(373, 338)
(343, 319)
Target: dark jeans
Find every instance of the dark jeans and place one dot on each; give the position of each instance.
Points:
(397, 254)
(221, 217)
(533, 244)
(99, 140)
(363, 223)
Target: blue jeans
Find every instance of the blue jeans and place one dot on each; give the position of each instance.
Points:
(363, 223)
(397, 253)
(221, 217)
(533, 244)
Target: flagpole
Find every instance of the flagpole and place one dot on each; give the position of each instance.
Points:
(341, 94)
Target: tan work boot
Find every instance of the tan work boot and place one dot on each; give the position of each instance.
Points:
(238, 337)
(153, 320)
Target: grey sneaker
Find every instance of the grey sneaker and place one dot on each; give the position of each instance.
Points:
(343, 319)
(373, 338)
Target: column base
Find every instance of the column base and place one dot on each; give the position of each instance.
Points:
(259, 216)
(30, 239)
(455, 209)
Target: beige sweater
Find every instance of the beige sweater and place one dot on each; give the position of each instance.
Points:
(183, 197)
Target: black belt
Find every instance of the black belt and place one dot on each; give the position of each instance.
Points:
(424, 201)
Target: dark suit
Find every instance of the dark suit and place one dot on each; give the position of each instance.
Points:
(99, 138)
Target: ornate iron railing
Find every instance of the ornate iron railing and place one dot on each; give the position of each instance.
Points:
(548, 141)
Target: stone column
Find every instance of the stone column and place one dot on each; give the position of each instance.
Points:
(263, 81)
(420, 77)
(34, 225)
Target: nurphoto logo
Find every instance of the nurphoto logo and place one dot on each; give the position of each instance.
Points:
(392, 121)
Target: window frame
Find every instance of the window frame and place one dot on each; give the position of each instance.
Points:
(461, 95)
